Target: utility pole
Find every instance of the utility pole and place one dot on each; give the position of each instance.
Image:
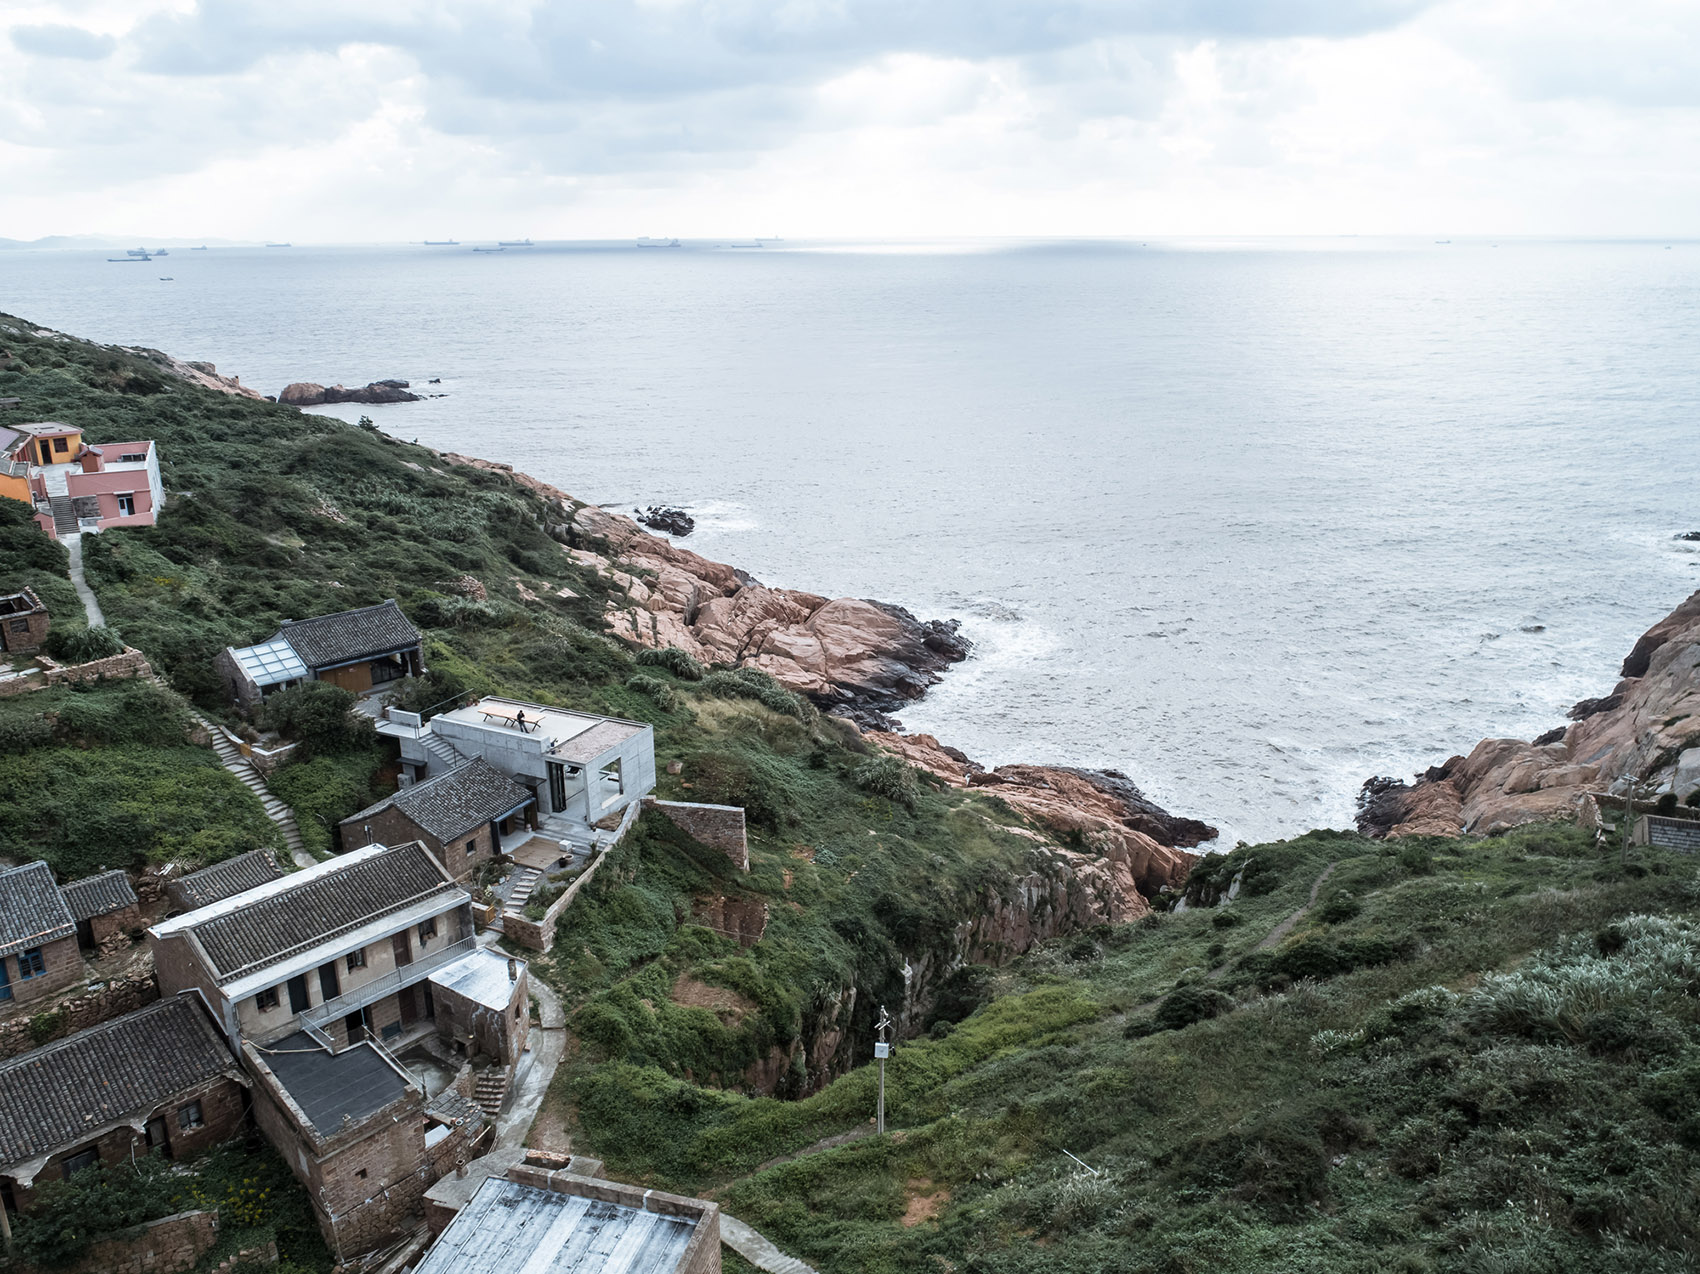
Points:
(882, 1050)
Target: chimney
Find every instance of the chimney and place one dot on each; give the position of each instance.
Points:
(513, 969)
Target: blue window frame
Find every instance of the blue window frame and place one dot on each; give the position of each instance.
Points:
(30, 964)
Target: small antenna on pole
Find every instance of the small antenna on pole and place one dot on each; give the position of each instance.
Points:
(882, 1050)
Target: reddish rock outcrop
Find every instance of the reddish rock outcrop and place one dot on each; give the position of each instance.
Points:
(306, 394)
(1643, 728)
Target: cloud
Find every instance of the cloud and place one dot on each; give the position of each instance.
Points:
(52, 40)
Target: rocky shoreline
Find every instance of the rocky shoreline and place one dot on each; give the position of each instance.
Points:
(1647, 728)
(863, 660)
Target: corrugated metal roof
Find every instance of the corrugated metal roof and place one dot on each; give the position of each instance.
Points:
(98, 895)
(512, 1227)
(32, 910)
(52, 1098)
(271, 663)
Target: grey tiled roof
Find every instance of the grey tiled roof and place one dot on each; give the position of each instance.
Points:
(221, 880)
(350, 635)
(97, 895)
(51, 1099)
(32, 910)
(456, 802)
(280, 924)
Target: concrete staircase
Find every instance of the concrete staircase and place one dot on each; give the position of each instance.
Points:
(757, 1250)
(231, 758)
(490, 1090)
(64, 515)
(444, 757)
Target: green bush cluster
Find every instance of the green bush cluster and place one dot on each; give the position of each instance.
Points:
(890, 777)
(320, 717)
(753, 683)
(666, 698)
(674, 660)
(82, 645)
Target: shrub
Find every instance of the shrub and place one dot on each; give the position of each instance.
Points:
(890, 777)
(21, 733)
(1417, 860)
(752, 683)
(666, 698)
(320, 716)
(82, 645)
(1338, 907)
(674, 660)
(762, 785)
(1184, 1006)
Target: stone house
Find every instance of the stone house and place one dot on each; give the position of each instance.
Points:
(38, 938)
(460, 816)
(105, 909)
(355, 649)
(483, 1005)
(222, 880)
(158, 1079)
(23, 622)
(338, 950)
(314, 977)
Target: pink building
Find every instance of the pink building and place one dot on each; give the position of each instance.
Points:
(79, 486)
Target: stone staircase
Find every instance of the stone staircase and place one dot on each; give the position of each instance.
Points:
(64, 515)
(231, 758)
(490, 1090)
(525, 880)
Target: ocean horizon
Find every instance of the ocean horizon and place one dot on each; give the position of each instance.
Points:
(1247, 520)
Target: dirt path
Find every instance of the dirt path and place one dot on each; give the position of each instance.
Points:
(1281, 930)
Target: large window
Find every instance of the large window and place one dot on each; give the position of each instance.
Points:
(357, 959)
(427, 930)
(89, 1158)
(61, 444)
(266, 1000)
(190, 1117)
(30, 964)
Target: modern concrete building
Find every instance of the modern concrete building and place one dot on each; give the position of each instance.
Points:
(354, 649)
(582, 769)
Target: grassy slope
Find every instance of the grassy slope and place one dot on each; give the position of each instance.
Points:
(1531, 1123)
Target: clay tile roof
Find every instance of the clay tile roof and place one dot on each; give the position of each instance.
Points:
(98, 895)
(350, 635)
(32, 910)
(221, 880)
(457, 802)
(53, 1097)
(281, 923)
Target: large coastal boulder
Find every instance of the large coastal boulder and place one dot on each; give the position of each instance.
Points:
(306, 394)
(1643, 728)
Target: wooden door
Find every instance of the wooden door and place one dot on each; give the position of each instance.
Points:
(403, 948)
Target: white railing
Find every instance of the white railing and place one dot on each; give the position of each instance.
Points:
(386, 984)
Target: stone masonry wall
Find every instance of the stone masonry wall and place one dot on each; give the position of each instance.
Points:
(717, 826)
(84, 1008)
(160, 1247)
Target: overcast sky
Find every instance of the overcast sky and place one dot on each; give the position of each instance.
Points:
(350, 120)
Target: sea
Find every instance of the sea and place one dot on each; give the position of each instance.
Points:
(1248, 521)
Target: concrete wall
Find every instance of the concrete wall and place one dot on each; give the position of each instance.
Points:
(717, 826)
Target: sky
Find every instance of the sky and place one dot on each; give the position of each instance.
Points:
(389, 120)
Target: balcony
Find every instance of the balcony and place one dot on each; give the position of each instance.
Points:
(423, 966)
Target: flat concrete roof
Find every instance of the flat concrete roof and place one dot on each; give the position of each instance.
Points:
(480, 976)
(552, 727)
(352, 1084)
(509, 1228)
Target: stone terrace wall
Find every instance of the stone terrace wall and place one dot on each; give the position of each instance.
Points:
(160, 1247)
(717, 826)
(130, 663)
(77, 1012)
